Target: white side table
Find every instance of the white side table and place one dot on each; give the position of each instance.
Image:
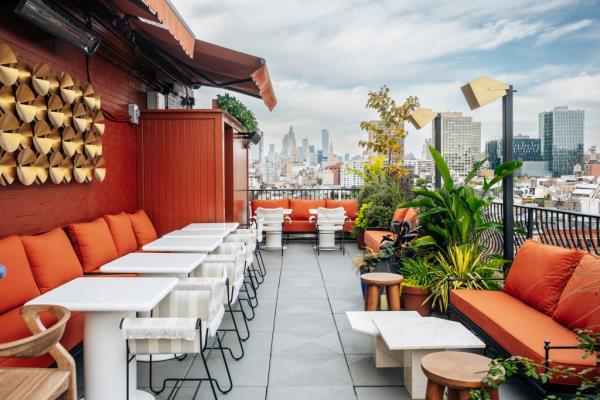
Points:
(178, 265)
(229, 226)
(191, 233)
(184, 245)
(106, 301)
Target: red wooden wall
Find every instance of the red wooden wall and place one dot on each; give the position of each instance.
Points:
(236, 172)
(38, 208)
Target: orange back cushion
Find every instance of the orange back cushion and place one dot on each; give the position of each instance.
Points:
(411, 216)
(93, 244)
(579, 304)
(142, 228)
(399, 214)
(301, 208)
(350, 206)
(122, 233)
(278, 203)
(539, 274)
(52, 258)
(18, 286)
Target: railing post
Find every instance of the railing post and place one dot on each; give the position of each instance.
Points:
(507, 182)
(530, 222)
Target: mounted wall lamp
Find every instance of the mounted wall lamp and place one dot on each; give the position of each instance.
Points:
(254, 137)
(58, 22)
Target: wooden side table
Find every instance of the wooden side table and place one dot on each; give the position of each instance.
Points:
(460, 372)
(374, 281)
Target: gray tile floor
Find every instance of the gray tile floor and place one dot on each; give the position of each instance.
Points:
(301, 345)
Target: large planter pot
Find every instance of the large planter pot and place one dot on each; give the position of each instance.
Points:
(414, 299)
(360, 240)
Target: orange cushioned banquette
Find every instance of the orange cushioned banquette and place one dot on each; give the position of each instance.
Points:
(519, 328)
(299, 226)
(301, 208)
(579, 304)
(93, 244)
(539, 274)
(52, 259)
(122, 233)
(277, 203)
(351, 209)
(373, 239)
(142, 227)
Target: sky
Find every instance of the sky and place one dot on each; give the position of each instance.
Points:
(325, 56)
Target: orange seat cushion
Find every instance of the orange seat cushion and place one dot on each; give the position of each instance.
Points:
(539, 274)
(373, 239)
(142, 228)
(411, 216)
(350, 207)
(52, 259)
(277, 203)
(579, 304)
(122, 233)
(519, 328)
(93, 243)
(13, 328)
(301, 208)
(18, 286)
(399, 214)
(299, 226)
(348, 225)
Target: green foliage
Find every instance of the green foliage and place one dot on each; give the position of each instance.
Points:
(454, 214)
(417, 272)
(361, 224)
(238, 110)
(589, 382)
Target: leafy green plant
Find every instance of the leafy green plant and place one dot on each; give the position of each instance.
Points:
(589, 383)
(460, 267)
(454, 214)
(417, 272)
(369, 260)
(238, 110)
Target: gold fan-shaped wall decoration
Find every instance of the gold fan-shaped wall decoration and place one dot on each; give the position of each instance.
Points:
(78, 93)
(8, 168)
(98, 123)
(32, 168)
(24, 74)
(9, 137)
(26, 109)
(61, 168)
(7, 99)
(89, 96)
(45, 139)
(55, 113)
(100, 169)
(68, 113)
(72, 142)
(40, 78)
(82, 169)
(81, 119)
(26, 135)
(66, 88)
(42, 108)
(93, 145)
(8, 61)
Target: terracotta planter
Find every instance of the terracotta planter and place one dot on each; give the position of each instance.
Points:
(413, 299)
(360, 240)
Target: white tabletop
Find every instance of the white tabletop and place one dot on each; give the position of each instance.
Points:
(426, 333)
(154, 263)
(218, 233)
(229, 226)
(362, 321)
(184, 245)
(103, 294)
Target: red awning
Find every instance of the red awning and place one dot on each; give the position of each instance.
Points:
(212, 65)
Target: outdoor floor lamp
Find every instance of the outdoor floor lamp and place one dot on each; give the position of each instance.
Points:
(419, 118)
(478, 93)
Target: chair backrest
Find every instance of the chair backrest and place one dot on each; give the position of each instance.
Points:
(268, 216)
(43, 339)
(331, 215)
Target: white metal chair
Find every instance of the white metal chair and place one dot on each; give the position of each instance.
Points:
(330, 222)
(271, 221)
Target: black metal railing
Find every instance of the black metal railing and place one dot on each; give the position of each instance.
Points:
(304, 194)
(550, 226)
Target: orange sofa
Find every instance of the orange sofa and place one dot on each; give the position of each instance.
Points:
(374, 236)
(548, 293)
(300, 212)
(39, 263)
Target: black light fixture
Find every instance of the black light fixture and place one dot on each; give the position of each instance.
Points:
(55, 20)
(253, 137)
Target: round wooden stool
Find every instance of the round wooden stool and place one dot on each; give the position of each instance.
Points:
(460, 372)
(374, 281)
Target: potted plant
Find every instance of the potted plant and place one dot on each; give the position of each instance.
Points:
(416, 292)
(361, 225)
(371, 261)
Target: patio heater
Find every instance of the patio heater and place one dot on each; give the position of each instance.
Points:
(478, 93)
(419, 118)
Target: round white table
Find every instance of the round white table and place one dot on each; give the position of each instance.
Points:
(106, 301)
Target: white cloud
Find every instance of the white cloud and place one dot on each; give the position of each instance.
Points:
(557, 32)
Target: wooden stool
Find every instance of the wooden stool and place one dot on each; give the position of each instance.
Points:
(460, 372)
(374, 280)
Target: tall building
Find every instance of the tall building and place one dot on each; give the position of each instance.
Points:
(425, 153)
(324, 140)
(461, 141)
(561, 133)
(525, 148)
(493, 151)
(305, 156)
(346, 157)
(348, 178)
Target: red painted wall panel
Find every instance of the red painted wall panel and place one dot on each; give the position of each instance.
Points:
(41, 207)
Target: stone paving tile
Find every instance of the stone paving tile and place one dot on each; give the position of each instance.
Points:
(382, 393)
(306, 342)
(310, 392)
(299, 306)
(309, 370)
(304, 322)
(364, 373)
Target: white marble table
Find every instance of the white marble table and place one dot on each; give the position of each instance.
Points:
(184, 245)
(218, 233)
(178, 265)
(197, 226)
(106, 301)
(417, 337)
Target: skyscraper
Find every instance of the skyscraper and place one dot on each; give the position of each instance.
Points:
(305, 149)
(561, 133)
(324, 141)
(461, 141)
